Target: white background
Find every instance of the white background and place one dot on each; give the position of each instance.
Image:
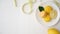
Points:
(14, 21)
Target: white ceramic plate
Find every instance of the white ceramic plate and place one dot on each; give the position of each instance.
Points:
(53, 21)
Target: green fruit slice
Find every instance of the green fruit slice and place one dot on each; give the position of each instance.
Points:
(41, 8)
